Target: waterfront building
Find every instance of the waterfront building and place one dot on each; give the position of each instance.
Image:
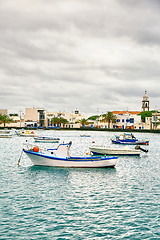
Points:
(18, 121)
(40, 118)
(35, 117)
(73, 119)
(127, 120)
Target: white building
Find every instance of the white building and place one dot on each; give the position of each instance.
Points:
(127, 120)
(73, 119)
(18, 121)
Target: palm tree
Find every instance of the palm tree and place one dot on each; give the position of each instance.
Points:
(55, 121)
(59, 121)
(63, 121)
(84, 122)
(5, 119)
(109, 117)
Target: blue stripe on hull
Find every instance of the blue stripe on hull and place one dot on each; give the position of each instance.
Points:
(131, 143)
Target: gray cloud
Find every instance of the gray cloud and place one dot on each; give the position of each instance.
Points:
(64, 55)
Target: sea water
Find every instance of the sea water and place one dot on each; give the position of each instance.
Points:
(65, 203)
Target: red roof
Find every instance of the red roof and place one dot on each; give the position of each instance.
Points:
(125, 112)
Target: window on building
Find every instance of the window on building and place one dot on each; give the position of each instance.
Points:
(131, 120)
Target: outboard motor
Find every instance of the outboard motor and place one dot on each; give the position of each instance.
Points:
(142, 149)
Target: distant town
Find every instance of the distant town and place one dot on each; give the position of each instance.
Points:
(40, 118)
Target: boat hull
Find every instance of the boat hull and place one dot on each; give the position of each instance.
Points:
(6, 136)
(85, 135)
(26, 135)
(72, 162)
(46, 140)
(105, 151)
(130, 142)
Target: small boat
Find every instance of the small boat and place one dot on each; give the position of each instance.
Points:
(85, 135)
(25, 133)
(129, 139)
(60, 157)
(114, 151)
(46, 139)
(5, 134)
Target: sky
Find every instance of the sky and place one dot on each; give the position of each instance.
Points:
(93, 56)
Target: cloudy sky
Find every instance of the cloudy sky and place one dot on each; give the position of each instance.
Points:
(90, 55)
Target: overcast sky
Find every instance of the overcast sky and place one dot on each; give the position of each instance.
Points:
(90, 55)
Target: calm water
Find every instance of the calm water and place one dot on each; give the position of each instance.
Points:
(63, 203)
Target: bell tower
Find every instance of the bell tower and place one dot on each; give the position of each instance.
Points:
(145, 102)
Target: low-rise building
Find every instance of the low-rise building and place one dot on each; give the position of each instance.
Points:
(40, 118)
(156, 120)
(35, 117)
(17, 121)
(127, 120)
(123, 120)
(73, 119)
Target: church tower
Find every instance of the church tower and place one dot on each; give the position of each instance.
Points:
(145, 102)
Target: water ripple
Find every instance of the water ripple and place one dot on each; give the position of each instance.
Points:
(56, 203)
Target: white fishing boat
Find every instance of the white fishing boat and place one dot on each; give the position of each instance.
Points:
(97, 150)
(5, 134)
(60, 157)
(101, 150)
(25, 133)
(46, 139)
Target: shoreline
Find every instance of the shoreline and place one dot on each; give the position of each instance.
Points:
(89, 129)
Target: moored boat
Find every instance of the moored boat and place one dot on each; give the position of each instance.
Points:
(60, 157)
(46, 139)
(114, 151)
(25, 133)
(5, 134)
(84, 135)
(129, 139)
